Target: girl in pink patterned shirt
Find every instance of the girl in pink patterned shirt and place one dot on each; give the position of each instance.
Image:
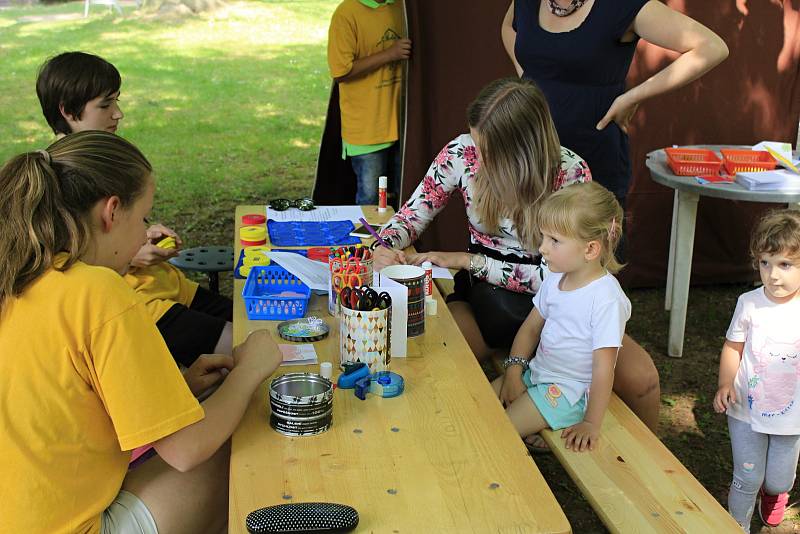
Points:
(503, 169)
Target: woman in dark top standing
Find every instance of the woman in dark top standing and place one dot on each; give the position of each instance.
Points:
(578, 52)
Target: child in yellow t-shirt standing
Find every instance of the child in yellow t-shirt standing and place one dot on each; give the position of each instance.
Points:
(366, 45)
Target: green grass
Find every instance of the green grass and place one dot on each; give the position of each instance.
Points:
(229, 107)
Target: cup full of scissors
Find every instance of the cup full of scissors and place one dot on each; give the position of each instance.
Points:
(346, 271)
(365, 324)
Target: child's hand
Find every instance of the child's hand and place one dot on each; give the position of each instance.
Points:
(582, 436)
(150, 254)
(206, 371)
(513, 386)
(726, 395)
(259, 354)
(157, 232)
(400, 49)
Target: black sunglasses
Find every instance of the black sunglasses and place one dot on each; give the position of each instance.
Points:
(283, 204)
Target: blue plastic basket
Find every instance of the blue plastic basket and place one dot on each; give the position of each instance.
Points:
(261, 294)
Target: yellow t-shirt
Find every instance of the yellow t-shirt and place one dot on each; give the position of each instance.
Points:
(84, 378)
(160, 286)
(370, 103)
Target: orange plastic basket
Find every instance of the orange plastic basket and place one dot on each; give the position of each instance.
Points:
(692, 161)
(747, 160)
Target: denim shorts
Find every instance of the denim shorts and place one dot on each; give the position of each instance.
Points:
(127, 515)
(556, 410)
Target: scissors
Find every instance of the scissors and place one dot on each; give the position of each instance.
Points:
(351, 297)
(347, 275)
(374, 301)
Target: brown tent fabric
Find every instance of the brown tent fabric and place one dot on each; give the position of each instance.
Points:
(335, 182)
(754, 95)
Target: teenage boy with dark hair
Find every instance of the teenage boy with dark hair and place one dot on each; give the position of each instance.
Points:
(79, 92)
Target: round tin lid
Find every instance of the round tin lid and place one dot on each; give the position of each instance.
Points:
(305, 330)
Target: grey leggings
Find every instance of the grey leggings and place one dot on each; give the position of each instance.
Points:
(758, 459)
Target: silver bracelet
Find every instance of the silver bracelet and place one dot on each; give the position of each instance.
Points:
(515, 360)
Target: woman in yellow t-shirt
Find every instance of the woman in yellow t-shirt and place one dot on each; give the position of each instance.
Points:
(85, 376)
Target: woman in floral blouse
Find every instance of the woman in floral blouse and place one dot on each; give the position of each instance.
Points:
(503, 168)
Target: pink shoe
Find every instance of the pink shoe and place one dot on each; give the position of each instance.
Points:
(772, 507)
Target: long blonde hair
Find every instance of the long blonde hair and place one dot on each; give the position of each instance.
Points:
(520, 155)
(46, 197)
(588, 212)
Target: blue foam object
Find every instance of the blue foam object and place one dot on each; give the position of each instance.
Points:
(311, 234)
(348, 379)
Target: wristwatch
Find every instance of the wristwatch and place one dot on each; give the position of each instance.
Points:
(515, 360)
(477, 264)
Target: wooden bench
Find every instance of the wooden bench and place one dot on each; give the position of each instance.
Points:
(633, 482)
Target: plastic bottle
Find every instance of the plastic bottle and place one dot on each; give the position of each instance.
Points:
(428, 278)
(383, 183)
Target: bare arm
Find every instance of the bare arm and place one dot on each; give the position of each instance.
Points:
(255, 360)
(585, 434)
(400, 49)
(729, 361)
(509, 37)
(701, 50)
(525, 343)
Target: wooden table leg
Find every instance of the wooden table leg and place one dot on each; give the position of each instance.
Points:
(684, 246)
(671, 260)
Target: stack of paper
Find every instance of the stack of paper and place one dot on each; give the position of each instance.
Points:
(778, 180)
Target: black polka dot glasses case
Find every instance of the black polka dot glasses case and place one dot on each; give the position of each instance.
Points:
(306, 518)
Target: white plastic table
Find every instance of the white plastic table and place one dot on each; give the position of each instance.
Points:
(684, 218)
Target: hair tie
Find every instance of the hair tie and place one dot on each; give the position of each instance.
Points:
(46, 155)
(612, 231)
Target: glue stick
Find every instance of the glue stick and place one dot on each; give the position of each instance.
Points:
(383, 183)
(428, 278)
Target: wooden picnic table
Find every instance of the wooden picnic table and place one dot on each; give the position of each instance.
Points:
(442, 457)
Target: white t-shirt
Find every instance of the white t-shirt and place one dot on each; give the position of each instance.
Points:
(769, 374)
(576, 323)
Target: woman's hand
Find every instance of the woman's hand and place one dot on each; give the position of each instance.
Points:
(448, 260)
(621, 111)
(208, 370)
(513, 386)
(259, 354)
(383, 257)
(150, 254)
(726, 395)
(582, 436)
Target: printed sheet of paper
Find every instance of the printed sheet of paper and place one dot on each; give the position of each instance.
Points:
(303, 354)
(314, 274)
(442, 272)
(319, 214)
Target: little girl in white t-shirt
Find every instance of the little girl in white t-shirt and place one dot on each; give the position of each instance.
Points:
(577, 322)
(759, 375)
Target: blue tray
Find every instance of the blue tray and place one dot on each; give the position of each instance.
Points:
(311, 234)
(261, 294)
